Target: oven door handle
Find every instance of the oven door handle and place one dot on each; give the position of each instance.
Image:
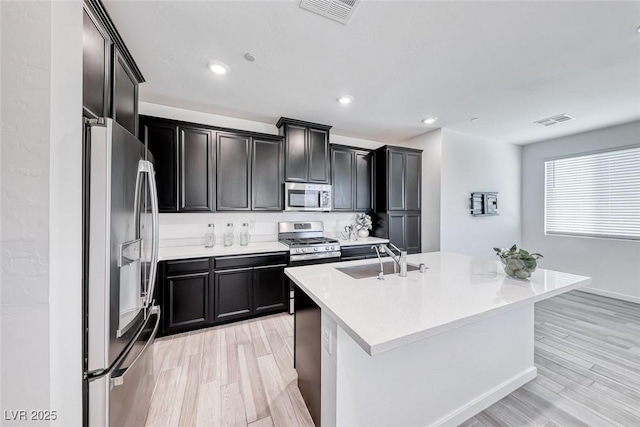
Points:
(306, 257)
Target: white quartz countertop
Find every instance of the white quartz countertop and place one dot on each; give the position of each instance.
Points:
(186, 252)
(456, 290)
(363, 241)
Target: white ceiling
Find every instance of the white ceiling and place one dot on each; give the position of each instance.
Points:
(508, 63)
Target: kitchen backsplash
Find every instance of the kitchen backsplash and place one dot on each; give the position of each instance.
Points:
(186, 229)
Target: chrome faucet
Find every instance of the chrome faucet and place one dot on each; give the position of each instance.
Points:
(381, 274)
(401, 259)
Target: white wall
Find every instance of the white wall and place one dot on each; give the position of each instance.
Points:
(431, 145)
(613, 264)
(473, 164)
(175, 113)
(41, 46)
(65, 209)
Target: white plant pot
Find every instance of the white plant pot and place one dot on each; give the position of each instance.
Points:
(363, 233)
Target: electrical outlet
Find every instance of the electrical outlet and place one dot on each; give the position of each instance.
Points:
(252, 225)
(326, 338)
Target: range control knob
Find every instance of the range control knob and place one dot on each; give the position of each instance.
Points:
(315, 249)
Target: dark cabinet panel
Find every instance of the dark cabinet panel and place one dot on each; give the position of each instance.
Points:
(412, 172)
(95, 68)
(342, 178)
(162, 141)
(196, 170)
(364, 180)
(233, 186)
(396, 230)
(412, 233)
(266, 175)
(396, 182)
(124, 94)
(187, 302)
(318, 156)
(296, 158)
(306, 152)
(269, 289)
(186, 295)
(233, 294)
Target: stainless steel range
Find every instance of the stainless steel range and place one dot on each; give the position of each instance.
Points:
(307, 246)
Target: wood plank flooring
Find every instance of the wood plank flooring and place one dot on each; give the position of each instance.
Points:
(587, 352)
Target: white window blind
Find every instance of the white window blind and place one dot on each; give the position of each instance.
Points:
(594, 195)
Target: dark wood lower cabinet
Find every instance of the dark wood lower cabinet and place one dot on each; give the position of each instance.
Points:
(233, 294)
(269, 289)
(187, 295)
(202, 292)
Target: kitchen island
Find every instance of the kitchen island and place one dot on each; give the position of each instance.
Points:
(429, 349)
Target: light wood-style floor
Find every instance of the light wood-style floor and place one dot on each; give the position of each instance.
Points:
(587, 352)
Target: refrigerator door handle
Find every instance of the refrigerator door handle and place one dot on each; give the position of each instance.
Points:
(147, 167)
(119, 380)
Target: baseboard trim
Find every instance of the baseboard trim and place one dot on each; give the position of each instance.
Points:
(610, 294)
(487, 399)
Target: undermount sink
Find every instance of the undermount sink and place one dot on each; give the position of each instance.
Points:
(372, 270)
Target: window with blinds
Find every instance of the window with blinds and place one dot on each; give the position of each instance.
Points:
(595, 195)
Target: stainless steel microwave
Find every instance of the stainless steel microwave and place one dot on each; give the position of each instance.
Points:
(306, 197)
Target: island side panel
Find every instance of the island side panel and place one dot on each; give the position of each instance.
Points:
(440, 381)
(307, 351)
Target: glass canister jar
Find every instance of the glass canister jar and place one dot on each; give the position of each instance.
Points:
(209, 237)
(228, 235)
(244, 234)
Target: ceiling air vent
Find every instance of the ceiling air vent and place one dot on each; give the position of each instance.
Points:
(338, 10)
(555, 120)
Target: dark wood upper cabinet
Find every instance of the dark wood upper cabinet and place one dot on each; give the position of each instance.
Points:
(161, 139)
(343, 178)
(398, 176)
(233, 167)
(364, 181)
(296, 154)
(266, 175)
(306, 146)
(95, 67)
(396, 182)
(318, 156)
(197, 158)
(413, 176)
(124, 94)
(110, 76)
(351, 174)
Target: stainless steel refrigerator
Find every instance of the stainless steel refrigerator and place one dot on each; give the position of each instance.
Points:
(121, 318)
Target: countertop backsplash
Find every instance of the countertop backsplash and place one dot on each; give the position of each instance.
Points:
(188, 229)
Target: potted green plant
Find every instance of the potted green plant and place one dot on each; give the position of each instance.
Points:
(363, 224)
(518, 263)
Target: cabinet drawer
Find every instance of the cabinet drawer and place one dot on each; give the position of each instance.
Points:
(186, 266)
(254, 260)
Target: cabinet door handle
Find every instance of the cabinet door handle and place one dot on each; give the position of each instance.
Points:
(231, 270)
(262, 267)
(188, 275)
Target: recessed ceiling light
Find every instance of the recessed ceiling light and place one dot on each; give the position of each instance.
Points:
(429, 120)
(218, 67)
(345, 99)
(249, 57)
